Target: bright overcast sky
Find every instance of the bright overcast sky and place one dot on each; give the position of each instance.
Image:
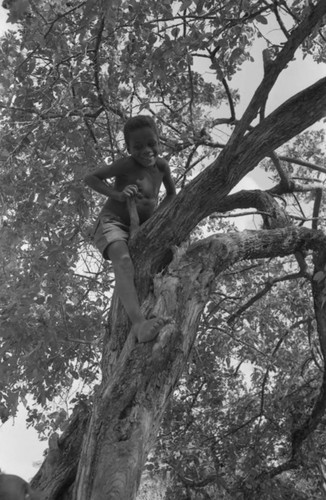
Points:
(20, 448)
(3, 18)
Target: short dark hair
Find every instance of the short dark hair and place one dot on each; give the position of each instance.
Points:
(136, 122)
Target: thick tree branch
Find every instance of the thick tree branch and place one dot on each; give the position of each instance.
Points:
(205, 194)
(234, 247)
(284, 122)
(275, 67)
(265, 203)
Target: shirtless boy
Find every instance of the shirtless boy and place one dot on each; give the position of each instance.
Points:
(137, 176)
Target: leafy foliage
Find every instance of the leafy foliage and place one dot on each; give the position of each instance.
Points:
(248, 386)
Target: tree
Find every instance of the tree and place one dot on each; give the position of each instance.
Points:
(80, 68)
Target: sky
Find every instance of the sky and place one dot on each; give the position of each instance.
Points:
(20, 450)
(3, 18)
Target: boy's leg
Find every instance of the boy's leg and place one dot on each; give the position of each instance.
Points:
(145, 330)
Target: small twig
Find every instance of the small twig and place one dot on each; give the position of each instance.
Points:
(307, 179)
(96, 64)
(299, 205)
(229, 96)
(265, 378)
(60, 16)
(187, 169)
(188, 165)
(303, 163)
(285, 179)
(90, 130)
(192, 96)
(241, 342)
(80, 341)
(242, 214)
(303, 219)
(280, 22)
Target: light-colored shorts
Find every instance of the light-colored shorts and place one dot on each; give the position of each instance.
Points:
(108, 229)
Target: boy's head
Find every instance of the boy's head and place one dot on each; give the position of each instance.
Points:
(142, 139)
(137, 122)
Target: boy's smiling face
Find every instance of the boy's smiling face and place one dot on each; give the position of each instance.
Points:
(143, 146)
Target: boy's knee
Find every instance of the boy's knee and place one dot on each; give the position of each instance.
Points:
(118, 251)
(124, 262)
(120, 258)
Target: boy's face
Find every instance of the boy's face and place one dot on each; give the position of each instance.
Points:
(143, 146)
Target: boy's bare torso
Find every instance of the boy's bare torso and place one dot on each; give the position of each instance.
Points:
(148, 181)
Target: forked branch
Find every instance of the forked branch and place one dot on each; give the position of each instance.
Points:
(275, 67)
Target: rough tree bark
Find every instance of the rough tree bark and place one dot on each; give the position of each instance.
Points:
(102, 453)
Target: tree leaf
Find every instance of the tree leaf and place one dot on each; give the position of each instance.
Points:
(319, 276)
(261, 19)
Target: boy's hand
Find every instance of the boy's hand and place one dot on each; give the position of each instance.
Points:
(129, 191)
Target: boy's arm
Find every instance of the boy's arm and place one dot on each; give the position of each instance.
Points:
(168, 184)
(96, 181)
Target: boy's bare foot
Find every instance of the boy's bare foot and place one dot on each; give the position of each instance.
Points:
(147, 330)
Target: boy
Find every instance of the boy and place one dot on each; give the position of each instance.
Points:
(138, 176)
